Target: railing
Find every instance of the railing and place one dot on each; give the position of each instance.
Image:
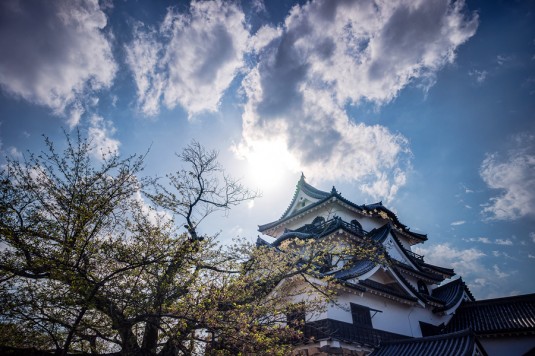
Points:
(415, 255)
(328, 225)
(336, 222)
(327, 328)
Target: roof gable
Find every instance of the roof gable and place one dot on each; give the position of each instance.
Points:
(304, 195)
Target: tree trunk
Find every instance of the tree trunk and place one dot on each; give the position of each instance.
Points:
(150, 337)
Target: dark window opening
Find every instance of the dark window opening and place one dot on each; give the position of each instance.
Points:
(361, 315)
(422, 287)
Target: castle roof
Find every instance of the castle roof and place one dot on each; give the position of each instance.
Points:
(319, 197)
(451, 293)
(459, 343)
(443, 298)
(509, 315)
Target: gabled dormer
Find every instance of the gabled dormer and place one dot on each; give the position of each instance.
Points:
(304, 196)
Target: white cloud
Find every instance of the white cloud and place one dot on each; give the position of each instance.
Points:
(484, 240)
(75, 114)
(530, 256)
(457, 223)
(514, 174)
(100, 135)
(263, 37)
(466, 262)
(478, 75)
(57, 53)
(499, 273)
(334, 53)
(470, 265)
(198, 56)
(532, 235)
(142, 56)
(503, 59)
(14, 153)
(506, 242)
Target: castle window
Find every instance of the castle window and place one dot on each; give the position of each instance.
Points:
(361, 315)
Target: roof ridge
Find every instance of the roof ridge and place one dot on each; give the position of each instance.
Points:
(461, 333)
(521, 297)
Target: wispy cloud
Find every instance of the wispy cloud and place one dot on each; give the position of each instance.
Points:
(478, 75)
(532, 235)
(499, 273)
(502, 254)
(466, 262)
(334, 53)
(506, 242)
(191, 59)
(502, 59)
(14, 153)
(512, 172)
(458, 222)
(100, 134)
(484, 240)
(469, 263)
(58, 51)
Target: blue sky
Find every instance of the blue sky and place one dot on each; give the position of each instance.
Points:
(427, 106)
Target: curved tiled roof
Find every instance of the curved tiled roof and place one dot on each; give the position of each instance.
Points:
(323, 197)
(459, 344)
(357, 269)
(308, 190)
(450, 294)
(432, 268)
(310, 231)
(510, 315)
(380, 234)
(434, 277)
(329, 329)
(380, 207)
(398, 292)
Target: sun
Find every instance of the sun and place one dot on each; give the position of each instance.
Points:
(268, 163)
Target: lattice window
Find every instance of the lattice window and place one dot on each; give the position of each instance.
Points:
(361, 315)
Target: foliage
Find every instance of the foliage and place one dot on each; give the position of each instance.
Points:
(87, 265)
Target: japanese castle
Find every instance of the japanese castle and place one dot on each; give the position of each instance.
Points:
(401, 305)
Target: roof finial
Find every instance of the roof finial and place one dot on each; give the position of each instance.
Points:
(334, 191)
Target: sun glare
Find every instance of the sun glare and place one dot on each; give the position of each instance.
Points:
(268, 163)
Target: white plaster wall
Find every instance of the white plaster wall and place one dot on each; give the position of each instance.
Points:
(395, 317)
